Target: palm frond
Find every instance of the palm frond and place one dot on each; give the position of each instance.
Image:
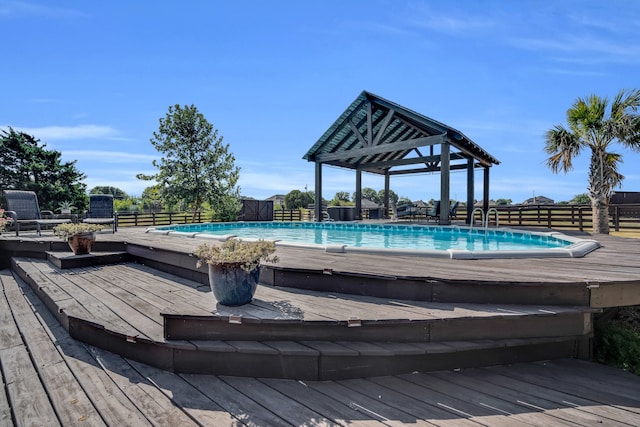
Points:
(611, 165)
(585, 116)
(562, 146)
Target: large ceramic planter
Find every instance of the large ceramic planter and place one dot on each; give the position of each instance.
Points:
(81, 243)
(231, 285)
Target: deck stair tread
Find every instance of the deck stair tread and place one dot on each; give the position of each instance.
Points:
(130, 281)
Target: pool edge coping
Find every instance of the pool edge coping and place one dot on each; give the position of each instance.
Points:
(578, 248)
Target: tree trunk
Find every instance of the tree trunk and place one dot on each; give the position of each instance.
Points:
(600, 216)
(599, 193)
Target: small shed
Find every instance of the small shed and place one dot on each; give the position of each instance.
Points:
(378, 136)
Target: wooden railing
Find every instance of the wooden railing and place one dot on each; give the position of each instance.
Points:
(622, 217)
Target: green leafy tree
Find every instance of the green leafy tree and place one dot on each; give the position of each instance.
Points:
(296, 199)
(393, 197)
(591, 126)
(341, 198)
(152, 199)
(26, 164)
(195, 166)
(503, 202)
(580, 199)
(105, 189)
(369, 194)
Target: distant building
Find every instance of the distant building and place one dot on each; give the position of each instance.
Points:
(625, 197)
(539, 200)
(368, 204)
(278, 199)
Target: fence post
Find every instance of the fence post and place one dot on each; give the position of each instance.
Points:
(616, 218)
(580, 221)
(519, 216)
(549, 218)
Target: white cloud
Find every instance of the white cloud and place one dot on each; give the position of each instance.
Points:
(25, 8)
(53, 133)
(108, 156)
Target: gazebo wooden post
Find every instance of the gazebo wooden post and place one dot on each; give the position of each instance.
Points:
(445, 180)
(358, 194)
(386, 193)
(318, 191)
(470, 189)
(485, 191)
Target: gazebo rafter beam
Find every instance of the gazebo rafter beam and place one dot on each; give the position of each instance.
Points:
(383, 126)
(426, 160)
(385, 148)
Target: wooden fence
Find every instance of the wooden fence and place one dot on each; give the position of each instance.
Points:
(141, 219)
(622, 217)
(579, 217)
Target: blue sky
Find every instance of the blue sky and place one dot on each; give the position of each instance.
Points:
(92, 79)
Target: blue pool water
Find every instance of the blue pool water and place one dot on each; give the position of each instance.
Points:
(401, 237)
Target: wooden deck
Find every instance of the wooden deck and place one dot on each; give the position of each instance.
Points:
(51, 378)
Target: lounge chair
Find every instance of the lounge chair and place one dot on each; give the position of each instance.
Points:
(101, 211)
(406, 210)
(23, 208)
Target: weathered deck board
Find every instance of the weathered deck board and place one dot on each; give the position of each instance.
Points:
(561, 399)
(302, 394)
(241, 406)
(62, 387)
(571, 384)
(190, 399)
(523, 402)
(44, 273)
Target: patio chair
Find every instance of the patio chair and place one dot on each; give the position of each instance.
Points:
(23, 208)
(434, 212)
(454, 208)
(101, 211)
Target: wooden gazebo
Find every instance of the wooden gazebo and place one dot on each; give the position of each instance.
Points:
(379, 136)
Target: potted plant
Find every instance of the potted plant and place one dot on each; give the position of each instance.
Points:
(4, 221)
(80, 236)
(65, 207)
(234, 268)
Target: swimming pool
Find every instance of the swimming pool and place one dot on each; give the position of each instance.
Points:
(403, 239)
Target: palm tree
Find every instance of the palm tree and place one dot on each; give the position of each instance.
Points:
(591, 128)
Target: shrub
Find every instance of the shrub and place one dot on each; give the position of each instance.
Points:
(617, 342)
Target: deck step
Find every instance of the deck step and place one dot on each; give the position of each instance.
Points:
(67, 260)
(534, 323)
(323, 360)
(380, 285)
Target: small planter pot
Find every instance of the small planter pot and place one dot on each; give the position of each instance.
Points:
(81, 243)
(231, 285)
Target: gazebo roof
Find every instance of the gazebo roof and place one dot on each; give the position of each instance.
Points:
(376, 135)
